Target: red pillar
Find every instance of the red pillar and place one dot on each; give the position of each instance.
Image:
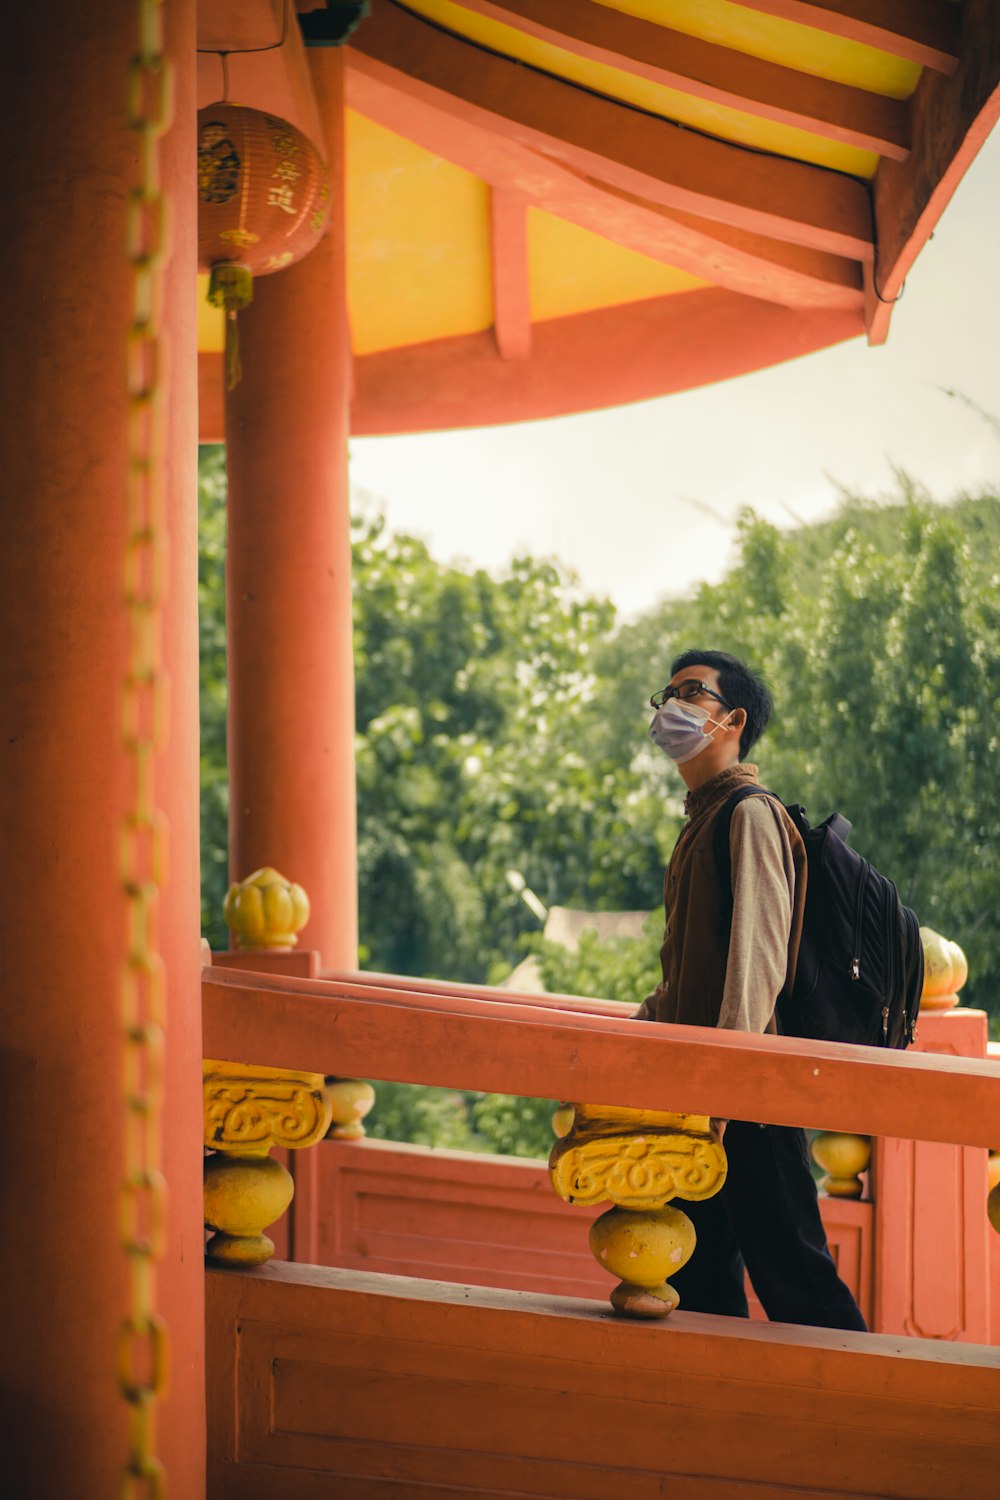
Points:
(291, 676)
(932, 1250)
(69, 159)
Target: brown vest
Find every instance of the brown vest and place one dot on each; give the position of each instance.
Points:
(696, 939)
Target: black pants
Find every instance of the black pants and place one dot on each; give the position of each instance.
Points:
(767, 1219)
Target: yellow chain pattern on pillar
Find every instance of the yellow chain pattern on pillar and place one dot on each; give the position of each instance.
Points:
(142, 1340)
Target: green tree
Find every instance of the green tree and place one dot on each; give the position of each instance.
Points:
(614, 968)
(502, 729)
(878, 630)
(480, 752)
(424, 1116)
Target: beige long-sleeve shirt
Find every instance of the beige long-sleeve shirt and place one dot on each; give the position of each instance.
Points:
(715, 973)
(763, 891)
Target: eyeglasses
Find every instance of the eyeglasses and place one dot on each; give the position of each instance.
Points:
(687, 690)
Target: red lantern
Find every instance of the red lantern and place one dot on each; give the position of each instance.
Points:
(263, 202)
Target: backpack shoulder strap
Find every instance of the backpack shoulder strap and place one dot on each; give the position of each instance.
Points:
(720, 834)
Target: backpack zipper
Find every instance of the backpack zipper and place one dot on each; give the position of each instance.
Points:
(892, 922)
(913, 937)
(858, 916)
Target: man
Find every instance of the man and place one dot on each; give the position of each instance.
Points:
(726, 959)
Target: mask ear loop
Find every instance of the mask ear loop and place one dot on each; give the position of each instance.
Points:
(718, 724)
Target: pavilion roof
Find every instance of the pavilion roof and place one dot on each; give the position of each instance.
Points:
(559, 205)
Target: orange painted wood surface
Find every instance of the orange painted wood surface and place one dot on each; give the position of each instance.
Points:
(587, 361)
(303, 963)
(68, 359)
(258, 72)
(993, 1050)
(451, 1216)
(288, 574)
(368, 1387)
(633, 151)
(584, 362)
(952, 116)
(924, 31)
(510, 276)
(486, 1221)
(736, 259)
(408, 984)
(211, 398)
(502, 1047)
(645, 49)
(932, 1276)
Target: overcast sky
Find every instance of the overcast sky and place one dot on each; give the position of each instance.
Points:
(640, 500)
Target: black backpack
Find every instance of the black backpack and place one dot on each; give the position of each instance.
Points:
(860, 969)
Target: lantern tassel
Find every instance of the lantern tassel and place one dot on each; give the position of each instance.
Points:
(231, 286)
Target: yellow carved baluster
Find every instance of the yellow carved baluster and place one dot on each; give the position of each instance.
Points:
(993, 1169)
(993, 1200)
(644, 1249)
(843, 1158)
(350, 1099)
(247, 1111)
(639, 1160)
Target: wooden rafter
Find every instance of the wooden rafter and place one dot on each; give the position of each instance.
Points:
(511, 283)
(922, 31)
(582, 362)
(586, 361)
(952, 116)
(624, 148)
(706, 71)
(736, 259)
(831, 280)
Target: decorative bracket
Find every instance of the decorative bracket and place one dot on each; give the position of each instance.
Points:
(250, 1109)
(636, 1158)
(247, 1111)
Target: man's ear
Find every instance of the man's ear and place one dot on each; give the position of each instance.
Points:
(738, 720)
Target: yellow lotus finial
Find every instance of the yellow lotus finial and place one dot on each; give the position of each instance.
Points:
(945, 971)
(265, 910)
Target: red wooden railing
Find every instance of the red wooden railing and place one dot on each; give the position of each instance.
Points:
(365, 1385)
(356, 1027)
(919, 1257)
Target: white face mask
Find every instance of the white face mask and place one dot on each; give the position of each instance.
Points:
(680, 729)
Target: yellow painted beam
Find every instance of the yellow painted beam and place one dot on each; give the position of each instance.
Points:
(720, 120)
(418, 243)
(806, 48)
(573, 270)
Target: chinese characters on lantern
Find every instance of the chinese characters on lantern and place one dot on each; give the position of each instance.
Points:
(263, 200)
(286, 168)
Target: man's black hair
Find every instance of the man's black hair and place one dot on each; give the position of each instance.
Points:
(740, 687)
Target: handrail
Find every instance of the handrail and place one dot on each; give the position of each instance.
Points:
(582, 1004)
(457, 1040)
